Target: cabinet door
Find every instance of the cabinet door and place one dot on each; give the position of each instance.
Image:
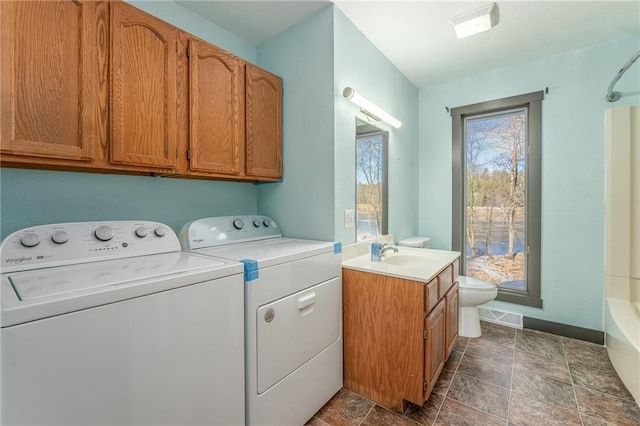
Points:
(53, 86)
(216, 109)
(452, 318)
(434, 348)
(143, 89)
(264, 123)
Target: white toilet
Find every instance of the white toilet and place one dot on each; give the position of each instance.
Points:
(473, 292)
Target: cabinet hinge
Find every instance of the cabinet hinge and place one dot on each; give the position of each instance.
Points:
(424, 386)
(426, 334)
(188, 154)
(188, 51)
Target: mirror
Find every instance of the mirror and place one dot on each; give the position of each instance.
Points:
(371, 181)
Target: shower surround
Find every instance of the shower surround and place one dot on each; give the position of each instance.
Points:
(622, 236)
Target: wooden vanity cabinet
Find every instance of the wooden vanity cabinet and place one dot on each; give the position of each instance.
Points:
(398, 334)
(53, 85)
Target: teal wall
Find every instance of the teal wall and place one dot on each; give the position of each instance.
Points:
(32, 197)
(303, 56)
(572, 167)
(359, 64)
(317, 59)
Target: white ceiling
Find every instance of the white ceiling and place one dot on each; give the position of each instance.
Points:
(417, 37)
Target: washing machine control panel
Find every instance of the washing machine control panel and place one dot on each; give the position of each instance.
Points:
(221, 230)
(69, 243)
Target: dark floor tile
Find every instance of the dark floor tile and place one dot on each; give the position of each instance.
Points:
(603, 380)
(485, 348)
(461, 344)
(539, 343)
(455, 413)
(380, 416)
(345, 408)
(453, 361)
(425, 415)
(498, 335)
(486, 370)
(314, 421)
(543, 389)
(481, 395)
(606, 407)
(442, 385)
(554, 368)
(590, 421)
(587, 354)
(525, 411)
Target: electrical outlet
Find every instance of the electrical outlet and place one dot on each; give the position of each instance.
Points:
(348, 218)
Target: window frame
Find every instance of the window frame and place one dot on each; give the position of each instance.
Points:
(533, 166)
(362, 131)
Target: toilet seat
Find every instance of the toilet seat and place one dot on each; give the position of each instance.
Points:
(470, 283)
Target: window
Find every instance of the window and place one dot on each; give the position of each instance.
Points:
(496, 194)
(371, 181)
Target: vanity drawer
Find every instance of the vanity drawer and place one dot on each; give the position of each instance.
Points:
(445, 280)
(431, 295)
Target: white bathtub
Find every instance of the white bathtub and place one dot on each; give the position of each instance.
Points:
(622, 327)
(622, 244)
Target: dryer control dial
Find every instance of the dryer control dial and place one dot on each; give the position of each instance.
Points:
(60, 237)
(266, 222)
(160, 231)
(257, 223)
(238, 224)
(141, 232)
(103, 233)
(30, 239)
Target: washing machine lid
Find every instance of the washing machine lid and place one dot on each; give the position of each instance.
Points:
(35, 294)
(273, 251)
(475, 283)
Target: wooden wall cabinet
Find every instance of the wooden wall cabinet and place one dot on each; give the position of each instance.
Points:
(102, 86)
(53, 81)
(143, 89)
(398, 334)
(264, 123)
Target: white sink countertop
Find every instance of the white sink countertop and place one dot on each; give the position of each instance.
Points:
(430, 264)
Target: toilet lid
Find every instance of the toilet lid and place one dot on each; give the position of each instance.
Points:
(474, 283)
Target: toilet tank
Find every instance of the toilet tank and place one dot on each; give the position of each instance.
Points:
(417, 242)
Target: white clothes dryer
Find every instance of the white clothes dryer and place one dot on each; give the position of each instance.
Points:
(111, 323)
(293, 314)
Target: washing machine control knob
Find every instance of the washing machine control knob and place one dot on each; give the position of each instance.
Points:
(60, 237)
(30, 239)
(256, 223)
(160, 231)
(238, 224)
(141, 232)
(266, 222)
(103, 233)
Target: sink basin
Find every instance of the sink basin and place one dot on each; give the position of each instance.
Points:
(401, 259)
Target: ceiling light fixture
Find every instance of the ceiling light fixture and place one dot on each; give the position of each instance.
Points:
(369, 108)
(476, 21)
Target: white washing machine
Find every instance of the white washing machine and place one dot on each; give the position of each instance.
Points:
(293, 314)
(110, 323)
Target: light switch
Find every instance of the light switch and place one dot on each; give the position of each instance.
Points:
(348, 218)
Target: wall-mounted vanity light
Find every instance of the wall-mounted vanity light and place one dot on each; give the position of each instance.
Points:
(476, 20)
(369, 108)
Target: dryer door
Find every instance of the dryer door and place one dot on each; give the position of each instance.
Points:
(292, 330)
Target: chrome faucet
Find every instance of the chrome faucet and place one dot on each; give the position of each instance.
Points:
(386, 247)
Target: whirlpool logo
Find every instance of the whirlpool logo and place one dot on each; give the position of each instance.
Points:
(17, 260)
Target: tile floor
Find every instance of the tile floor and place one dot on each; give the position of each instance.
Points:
(507, 377)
